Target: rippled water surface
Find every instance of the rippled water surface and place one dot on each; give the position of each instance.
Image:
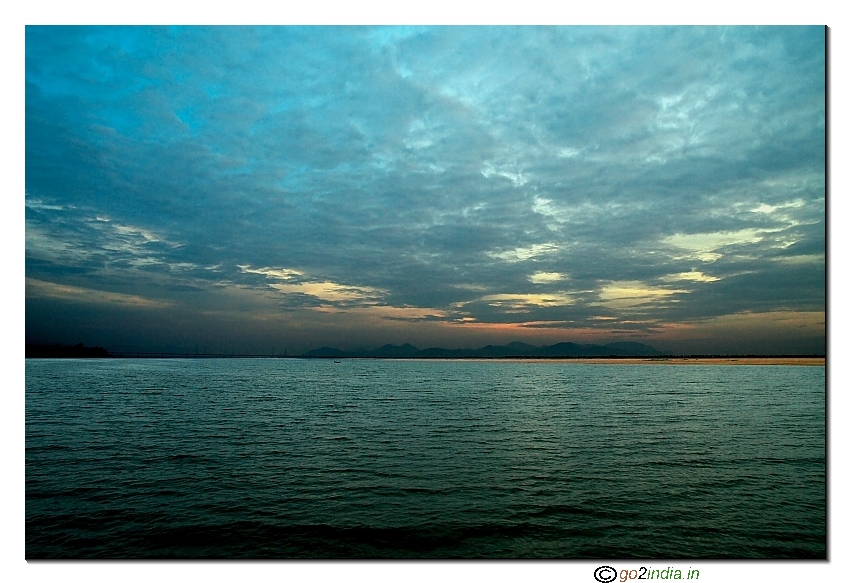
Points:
(280, 458)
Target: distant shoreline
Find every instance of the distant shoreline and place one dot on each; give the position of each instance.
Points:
(636, 360)
(722, 360)
(615, 353)
(672, 360)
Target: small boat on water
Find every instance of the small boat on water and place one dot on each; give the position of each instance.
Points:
(336, 362)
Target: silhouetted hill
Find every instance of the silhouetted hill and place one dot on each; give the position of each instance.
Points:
(57, 351)
(392, 351)
(514, 349)
(444, 353)
(588, 350)
(327, 352)
(635, 348)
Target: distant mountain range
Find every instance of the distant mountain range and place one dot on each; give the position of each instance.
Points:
(514, 349)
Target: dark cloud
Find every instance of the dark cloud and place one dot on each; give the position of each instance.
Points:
(618, 179)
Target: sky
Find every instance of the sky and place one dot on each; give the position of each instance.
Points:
(249, 189)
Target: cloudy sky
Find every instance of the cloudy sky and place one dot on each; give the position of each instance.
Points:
(239, 189)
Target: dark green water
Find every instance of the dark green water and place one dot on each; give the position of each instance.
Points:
(412, 459)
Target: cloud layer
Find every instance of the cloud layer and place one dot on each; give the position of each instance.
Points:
(355, 185)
